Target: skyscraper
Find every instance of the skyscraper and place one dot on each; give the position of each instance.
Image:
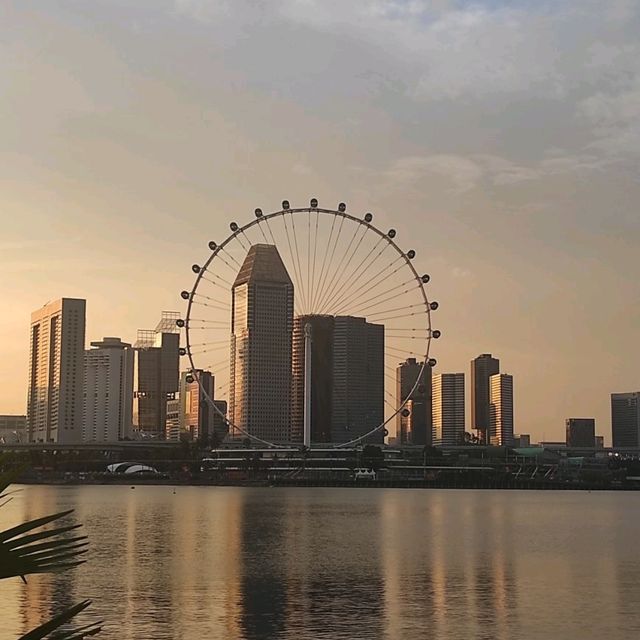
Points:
(448, 408)
(416, 428)
(157, 374)
(501, 410)
(56, 372)
(625, 419)
(347, 378)
(261, 332)
(196, 412)
(581, 432)
(322, 333)
(358, 379)
(482, 368)
(108, 391)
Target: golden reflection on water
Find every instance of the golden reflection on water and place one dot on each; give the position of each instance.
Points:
(246, 564)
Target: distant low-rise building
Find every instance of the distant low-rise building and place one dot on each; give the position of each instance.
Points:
(552, 444)
(13, 429)
(581, 432)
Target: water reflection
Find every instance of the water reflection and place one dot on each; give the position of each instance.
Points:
(247, 564)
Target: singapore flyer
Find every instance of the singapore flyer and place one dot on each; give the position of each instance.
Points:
(297, 322)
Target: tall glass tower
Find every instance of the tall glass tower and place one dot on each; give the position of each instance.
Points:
(261, 332)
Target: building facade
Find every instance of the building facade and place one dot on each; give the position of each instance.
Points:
(220, 423)
(322, 334)
(107, 414)
(482, 368)
(173, 432)
(261, 338)
(358, 380)
(157, 375)
(581, 432)
(56, 372)
(417, 427)
(13, 429)
(625, 419)
(197, 415)
(501, 410)
(448, 409)
(347, 378)
(522, 440)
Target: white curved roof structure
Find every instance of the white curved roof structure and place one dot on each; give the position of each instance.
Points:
(130, 467)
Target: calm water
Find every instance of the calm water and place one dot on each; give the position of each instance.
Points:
(238, 563)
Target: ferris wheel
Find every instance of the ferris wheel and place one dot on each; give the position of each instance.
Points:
(300, 319)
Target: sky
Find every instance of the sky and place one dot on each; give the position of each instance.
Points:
(502, 140)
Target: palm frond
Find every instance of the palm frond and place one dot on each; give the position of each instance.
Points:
(23, 553)
(50, 629)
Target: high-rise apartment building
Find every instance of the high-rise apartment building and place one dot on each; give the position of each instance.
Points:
(501, 410)
(448, 408)
(581, 432)
(261, 333)
(322, 333)
(482, 368)
(358, 379)
(625, 419)
(107, 414)
(157, 374)
(56, 372)
(415, 428)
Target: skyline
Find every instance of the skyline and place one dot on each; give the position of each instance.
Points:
(524, 169)
(242, 277)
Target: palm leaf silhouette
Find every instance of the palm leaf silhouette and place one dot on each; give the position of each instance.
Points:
(27, 549)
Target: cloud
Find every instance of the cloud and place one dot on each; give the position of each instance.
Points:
(566, 72)
(615, 120)
(459, 173)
